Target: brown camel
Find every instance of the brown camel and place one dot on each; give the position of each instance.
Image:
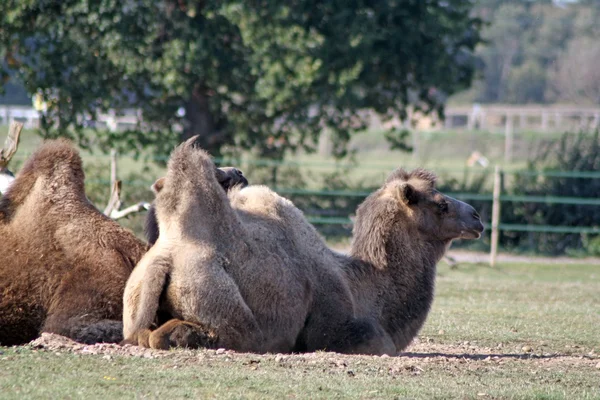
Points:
(246, 271)
(63, 264)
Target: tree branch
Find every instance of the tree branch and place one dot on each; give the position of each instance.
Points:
(114, 203)
(141, 206)
(11, 144)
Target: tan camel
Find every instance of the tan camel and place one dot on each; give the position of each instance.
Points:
(230, 178)
(246, 271)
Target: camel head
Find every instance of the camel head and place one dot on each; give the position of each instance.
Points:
(433, 215)
(409, 210)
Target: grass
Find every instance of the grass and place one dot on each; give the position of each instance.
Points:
(553, 309)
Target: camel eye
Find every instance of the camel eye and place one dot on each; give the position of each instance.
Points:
(443, 206)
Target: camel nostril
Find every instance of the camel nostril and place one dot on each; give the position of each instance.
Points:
(476, 215)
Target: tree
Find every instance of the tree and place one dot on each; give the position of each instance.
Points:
(576, 77)
(524, 43)
(237, 72)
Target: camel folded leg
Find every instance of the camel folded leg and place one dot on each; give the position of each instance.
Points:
(331, 326)
(178, 333)
(84, 329)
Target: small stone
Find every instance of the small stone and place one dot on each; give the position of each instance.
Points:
(221, 351)
(350, 373)
(148, 354)
(385, 356)
(466, 343)
(279, 358)
(441, 332)
(526, 349)
(543, 343)
(107, 357)
(481, 394)
(598, 365)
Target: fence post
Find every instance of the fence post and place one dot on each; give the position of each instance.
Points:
(495, 216)
(508, 139)
(113, 167)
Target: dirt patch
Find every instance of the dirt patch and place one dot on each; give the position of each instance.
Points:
(420, 356)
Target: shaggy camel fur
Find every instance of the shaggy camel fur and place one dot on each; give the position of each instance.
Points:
(246, 271)
(231, 177)
(63, 264)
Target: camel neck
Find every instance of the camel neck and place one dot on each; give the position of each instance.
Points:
(400, 294)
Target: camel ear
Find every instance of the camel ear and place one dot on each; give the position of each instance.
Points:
(408, 194)
(158, 185)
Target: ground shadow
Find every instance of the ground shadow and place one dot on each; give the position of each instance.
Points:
(479, 357)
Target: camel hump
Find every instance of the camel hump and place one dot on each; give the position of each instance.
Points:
(58, 161)
(50, 154)
(190, 162)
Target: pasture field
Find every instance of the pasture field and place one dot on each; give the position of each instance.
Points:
(444, 152)
(517, 331)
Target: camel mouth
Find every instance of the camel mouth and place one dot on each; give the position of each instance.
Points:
(472, 233)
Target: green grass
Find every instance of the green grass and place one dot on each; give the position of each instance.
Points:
(555, 310)
(545, 307)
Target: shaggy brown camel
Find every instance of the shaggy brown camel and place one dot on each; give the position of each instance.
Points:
(63, 264)
(246, 271)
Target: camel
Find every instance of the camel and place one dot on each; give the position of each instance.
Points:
(63, 264)
(246, 271)
(230, 178)
(6, 179)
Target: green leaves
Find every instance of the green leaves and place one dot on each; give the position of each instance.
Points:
(248, 74)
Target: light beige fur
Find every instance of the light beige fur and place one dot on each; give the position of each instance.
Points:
(246, 271)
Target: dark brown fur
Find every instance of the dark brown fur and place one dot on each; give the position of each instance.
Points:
(63, 264)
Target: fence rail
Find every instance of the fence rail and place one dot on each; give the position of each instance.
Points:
(341, 219)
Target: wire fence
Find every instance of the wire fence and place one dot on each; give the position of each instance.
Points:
(465, 196)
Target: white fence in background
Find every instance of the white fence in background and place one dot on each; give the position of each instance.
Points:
(501, 118)
(30, 118)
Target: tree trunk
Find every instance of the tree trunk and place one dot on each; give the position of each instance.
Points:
(199, 121)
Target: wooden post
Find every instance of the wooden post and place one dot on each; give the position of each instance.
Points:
(596, 122)
(114, 201)
(508, 139)
(495, 217)
(544, 121)
(522, 121)
(11, 143)
(113, 167)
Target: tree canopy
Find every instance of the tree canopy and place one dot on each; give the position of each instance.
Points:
(265, 75)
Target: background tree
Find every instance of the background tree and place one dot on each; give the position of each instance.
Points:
(267, 75)
(527, 43)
